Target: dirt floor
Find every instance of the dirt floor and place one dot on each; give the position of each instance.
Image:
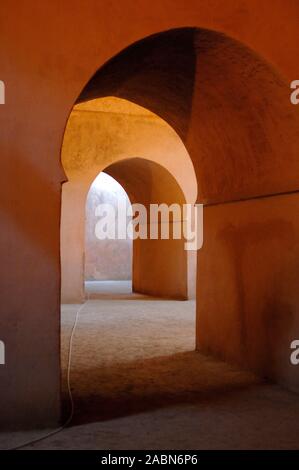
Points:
(138, 384)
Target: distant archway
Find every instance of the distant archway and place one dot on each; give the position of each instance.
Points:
(103, 135)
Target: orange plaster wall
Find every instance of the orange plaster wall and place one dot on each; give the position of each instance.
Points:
(248, 285)
(48, 52)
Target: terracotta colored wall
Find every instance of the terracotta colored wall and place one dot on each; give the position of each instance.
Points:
(45, 65)
(248, 288)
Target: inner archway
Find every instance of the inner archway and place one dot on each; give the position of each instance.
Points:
(147, 157)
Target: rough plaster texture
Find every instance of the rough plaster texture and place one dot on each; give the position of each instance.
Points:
(46, 65)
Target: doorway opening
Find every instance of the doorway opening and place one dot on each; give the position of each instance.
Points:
(108, 261)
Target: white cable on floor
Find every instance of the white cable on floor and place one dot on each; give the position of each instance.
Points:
(71, 415)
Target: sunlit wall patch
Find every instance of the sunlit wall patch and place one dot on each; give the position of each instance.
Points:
(2, 92)
(2, 353)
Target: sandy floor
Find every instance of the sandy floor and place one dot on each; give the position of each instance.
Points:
(139, 384)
